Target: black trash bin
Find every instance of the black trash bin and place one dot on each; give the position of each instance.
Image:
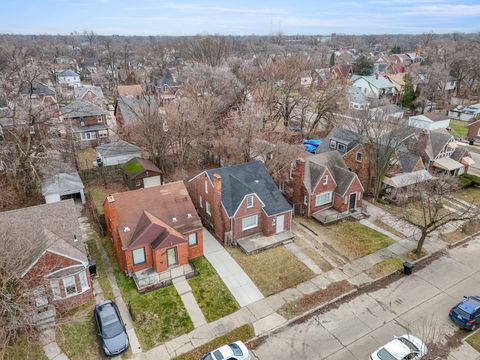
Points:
(471, 141)
(407, 268)
(92, 268)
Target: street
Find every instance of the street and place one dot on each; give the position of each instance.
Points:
(416, 304)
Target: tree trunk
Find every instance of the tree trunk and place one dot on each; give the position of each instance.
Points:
(421, 241)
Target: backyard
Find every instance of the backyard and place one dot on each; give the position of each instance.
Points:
(99, 193)
(459, 128)
(272, 270)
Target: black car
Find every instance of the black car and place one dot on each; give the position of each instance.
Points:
(110, 328)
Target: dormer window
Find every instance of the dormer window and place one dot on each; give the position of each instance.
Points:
(341, 147)
(249, 201)
(333, 144)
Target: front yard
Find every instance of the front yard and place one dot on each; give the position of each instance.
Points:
(272, 270)
(213, 297)
(459, 128)
(470, 194)
(474, 340)
(384, 267)
(26, 347)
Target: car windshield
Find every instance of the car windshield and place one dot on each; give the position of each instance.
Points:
(409, 344)
(236, 349)
(383, 354)
(111, 330)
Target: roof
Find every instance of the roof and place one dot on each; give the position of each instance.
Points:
(137, 166)
(131, 108)
(407, 159)
(130, 90)
(115, 148)
(447, 163)
(407, 178)
(347, 137)
(49, 226)
(80, 108)
(435, 116)
(377, 81)
(40, 89)
(438, 140)
(249, 178)
(66, 73)
(166, 203)
(80, 91)
(356, 95)
(63, 184)
(459, 153)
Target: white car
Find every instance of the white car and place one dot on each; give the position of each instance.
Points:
(233, 351)
(405, 347)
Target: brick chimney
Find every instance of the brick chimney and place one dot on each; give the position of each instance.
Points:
(298, 175)
(217, 215)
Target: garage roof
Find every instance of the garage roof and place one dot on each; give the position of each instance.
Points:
(63, 184)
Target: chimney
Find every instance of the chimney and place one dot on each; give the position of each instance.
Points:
(376, 76)
(217, 184)
(217, 217)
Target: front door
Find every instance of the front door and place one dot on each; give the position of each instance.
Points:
(353, 201)
(172, 257)
(280, 224)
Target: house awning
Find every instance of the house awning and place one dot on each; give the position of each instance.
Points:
(467, 160)
(448, 164)
(406, 179)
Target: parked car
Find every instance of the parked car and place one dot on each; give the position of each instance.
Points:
(110, 328)
(466, 314)
(402, 347)
(233, 351)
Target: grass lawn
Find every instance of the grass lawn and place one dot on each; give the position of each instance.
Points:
(86, 159)
(99, 193)
(350, 239)
(470, 194)
(211, 294)
(474, 340)
(25, 347)
(468, 228)
(272, 270)
(102, 275)
(459, 128)
(390, 229)
(317, 258)
(384, 267)
(243, 333)
(158, 315)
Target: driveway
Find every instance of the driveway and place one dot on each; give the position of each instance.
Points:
(416, 304)
(240, 285)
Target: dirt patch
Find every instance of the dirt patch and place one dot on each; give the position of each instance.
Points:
(384, 267)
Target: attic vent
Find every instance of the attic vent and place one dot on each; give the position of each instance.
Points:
(189, 215)
(110, 198)
(174, 219)
(75, 238)
(126, 229)
(256, 181)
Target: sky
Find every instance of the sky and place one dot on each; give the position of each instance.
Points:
(239, 17)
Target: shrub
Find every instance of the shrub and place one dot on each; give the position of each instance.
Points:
(474, 179)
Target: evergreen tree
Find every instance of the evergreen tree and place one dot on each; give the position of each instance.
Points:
(363, 66)
(332, 60)
(409, 94)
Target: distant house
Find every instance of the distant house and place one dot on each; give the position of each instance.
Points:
(87, 123)
(430, 121)
(135, 91)
(68, 77)
(129, 109)
(155, 233)
(389, 112)
(166, 88)
(358, 100)
(141, 173)
(117, 152)
(55, 263)
(63, 186)
(240, 201)
(344, 71)
(402, 59)
(91, 94)
(374, 86)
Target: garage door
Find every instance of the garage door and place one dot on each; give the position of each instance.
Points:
(151, 181)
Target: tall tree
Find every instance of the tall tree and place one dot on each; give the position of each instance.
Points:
(409, 94)
(363, 66)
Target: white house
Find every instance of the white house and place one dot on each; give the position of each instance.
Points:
(68, 77)
(430, 121)
(374, 86)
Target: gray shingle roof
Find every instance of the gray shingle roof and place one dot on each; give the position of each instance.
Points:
(62, 183)
(347, 137)
(80, 91)
(80, 108)
(249, 178)
(132, 108)
(408, 160)
(119, 147)
(66, 73)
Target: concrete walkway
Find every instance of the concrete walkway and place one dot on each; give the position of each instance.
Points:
(295, 250)
(237, 281)
(48, 340)
(191, 305)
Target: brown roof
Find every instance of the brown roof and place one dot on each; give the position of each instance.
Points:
(169, 203)
(436, 116)
(130, 90)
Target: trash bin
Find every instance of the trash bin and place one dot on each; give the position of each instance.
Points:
(471, 142)
(92, 268)
(407, 268)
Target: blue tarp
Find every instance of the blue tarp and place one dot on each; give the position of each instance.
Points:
(311, 145)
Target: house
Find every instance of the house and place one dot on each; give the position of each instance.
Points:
(383, 68)
(474, 130)
(91, 94)
(374, 86)
(129, 109)
(402, 59)
(398, 80)
(240, 201)
(389, 112)
(344, 71)
(430, 121)
(155, 233)
(141, 173)
(322, 182)
(357, 99)
(87, 123)
(135, 91)
(68, 77)
(63, 186)
(467, 113)
(166, 88)
(451, 85)
(116, 153)
(48, 241)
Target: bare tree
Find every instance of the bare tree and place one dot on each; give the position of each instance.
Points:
(211, 50)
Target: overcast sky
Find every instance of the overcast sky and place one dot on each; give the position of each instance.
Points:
(186, 17)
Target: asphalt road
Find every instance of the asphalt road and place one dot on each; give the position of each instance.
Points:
(416, 304)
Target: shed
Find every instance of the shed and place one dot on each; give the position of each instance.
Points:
(63, 186)
(117, 153)
(140, 173)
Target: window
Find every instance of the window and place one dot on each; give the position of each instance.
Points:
(249, 222)
(70, 285)
(249, 201)
(206, 186)
(292, 167)
(281, 186)
(333, 144)
(305, 200)
(83, 281)
(192, 239)
(325, 180)
(88, 136)
(341, 147)
(207, 208)
(200, 200)
(138, 256)
(55, 289)
(358, 156)
(32, 130)
(323, 198)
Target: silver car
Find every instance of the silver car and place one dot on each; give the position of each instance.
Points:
(405, 347)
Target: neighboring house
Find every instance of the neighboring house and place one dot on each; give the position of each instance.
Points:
(91, 94)
(357, 98)
(129, 109)
(116, 153)
(451, 85)
(55, 266)
(135, 91)
(474, 130)
(141, 173)
(87, 122)
(374, 86)
(402, 59)
(398, 80)
(430, 121)
(390, 112)
(68, 77)
(63, 186)
(383, 68)
(166, 88)
(240, 201)
(467, 113)
(155, 233)
(344, 71)
(321, 182)
(42, 95)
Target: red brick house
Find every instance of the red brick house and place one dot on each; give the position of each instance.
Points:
(474, 130)
(154, 230)
(320, 182)
(48, 242)
(240, 201)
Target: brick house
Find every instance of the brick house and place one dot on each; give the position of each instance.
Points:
(474, 130)
(55, 262)
(240, 201)
(320, 182)
(153, 231)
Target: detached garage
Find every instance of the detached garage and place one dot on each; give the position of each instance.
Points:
(63, 186)
(141, 173)
(117, 153)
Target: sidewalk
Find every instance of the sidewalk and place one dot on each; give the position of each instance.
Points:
(191, 305)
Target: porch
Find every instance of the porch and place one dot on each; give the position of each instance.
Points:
(258, 242)
(331, 215)
(149, 279)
